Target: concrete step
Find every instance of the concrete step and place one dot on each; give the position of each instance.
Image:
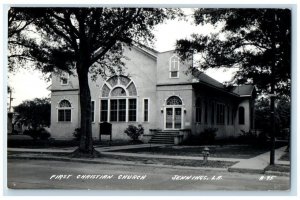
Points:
(164, 137)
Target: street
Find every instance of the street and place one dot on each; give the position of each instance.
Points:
(41, 174)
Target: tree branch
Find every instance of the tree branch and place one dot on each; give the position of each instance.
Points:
(114, 39)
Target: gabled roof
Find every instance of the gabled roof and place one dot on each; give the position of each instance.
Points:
(243, 90)
(202, 77)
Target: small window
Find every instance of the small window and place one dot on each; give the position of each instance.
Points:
(113, 110)
(205, 112)
(220, 113)
(174, 67)
(118, 110)
(64, 111)
(241, 115)
(104, 110)
(122, 110)
(93, 111)
(132, 110)
(228, 115)
(212, 113)
(64, 78)
(146, 110)
(232, 116)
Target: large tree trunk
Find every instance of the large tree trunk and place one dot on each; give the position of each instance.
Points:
(86, 141)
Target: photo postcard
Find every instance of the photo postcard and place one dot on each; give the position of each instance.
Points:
(149, 98)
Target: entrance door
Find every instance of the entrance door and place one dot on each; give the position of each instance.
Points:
(173, 118)
(173, 113)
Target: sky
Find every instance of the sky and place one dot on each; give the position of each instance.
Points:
(28, 85)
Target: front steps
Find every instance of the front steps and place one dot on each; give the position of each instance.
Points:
(164, 137)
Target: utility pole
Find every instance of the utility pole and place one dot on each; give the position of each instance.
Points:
(272, 95)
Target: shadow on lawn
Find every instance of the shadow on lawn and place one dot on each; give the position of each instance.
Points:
(221, 151)
(24, 141)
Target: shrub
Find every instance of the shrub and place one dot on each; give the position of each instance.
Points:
(247, 137)
(76, 134)
(207, 136)
(134, 132)
(39, 133)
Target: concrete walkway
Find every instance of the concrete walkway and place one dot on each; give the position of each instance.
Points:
(259, 163)
(136, 146)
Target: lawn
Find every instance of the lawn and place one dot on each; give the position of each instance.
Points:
(25, 141)
(175, 162)
(285, 157)
(225, 151)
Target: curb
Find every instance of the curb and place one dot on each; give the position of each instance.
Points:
(246, 170)
(276, 173)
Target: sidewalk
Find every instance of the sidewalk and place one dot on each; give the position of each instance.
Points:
(259, 163)
(71, 149)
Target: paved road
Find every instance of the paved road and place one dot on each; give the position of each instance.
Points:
(24, 174)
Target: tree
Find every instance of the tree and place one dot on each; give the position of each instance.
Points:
(34, 113)
(256, 41)
(85, 40)
(282, 114)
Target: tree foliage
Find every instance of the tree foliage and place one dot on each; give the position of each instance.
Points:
(83, 41)
(256, 41)
(282, 114)
(34, 113)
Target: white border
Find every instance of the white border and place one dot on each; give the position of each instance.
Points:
(211, 195)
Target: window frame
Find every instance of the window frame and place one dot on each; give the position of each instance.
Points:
(171, 66)
(104, 111)
(220, 113)
(241, 122)
(131, 92)
(93, 108)
(144, 109)
(198, 110)
(64, 109)
(62, 77)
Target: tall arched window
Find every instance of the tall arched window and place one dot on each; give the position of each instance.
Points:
(118, 100)
(64, 111)
(174, 67)
(241, 115)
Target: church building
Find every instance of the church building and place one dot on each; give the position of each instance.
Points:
(159, 95)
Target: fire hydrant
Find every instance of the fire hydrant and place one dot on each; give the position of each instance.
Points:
(205, 153)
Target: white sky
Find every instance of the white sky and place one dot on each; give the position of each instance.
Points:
(30, 84)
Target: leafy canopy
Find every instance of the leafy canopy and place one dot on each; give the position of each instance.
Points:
(255, 41)
(34, 112)
(59, 38)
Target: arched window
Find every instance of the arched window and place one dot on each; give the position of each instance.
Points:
(174, 67)
(198, 110)
(241, 115)
(119, 100)
(64, 111)
(174, 100)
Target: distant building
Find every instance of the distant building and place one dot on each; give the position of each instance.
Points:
(157, 94)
